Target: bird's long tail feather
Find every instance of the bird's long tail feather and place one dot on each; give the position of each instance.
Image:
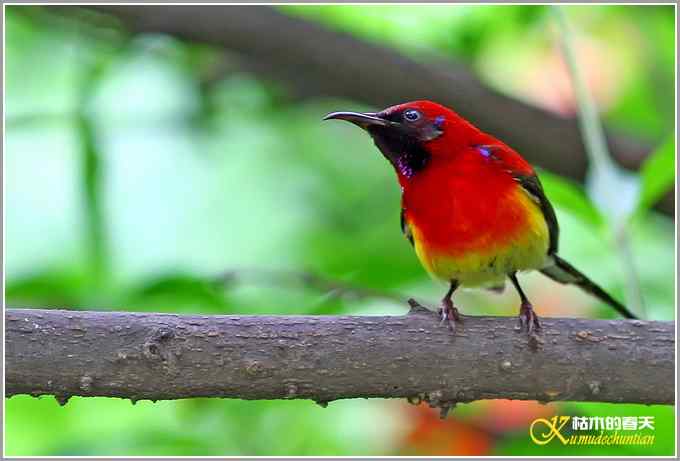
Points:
(563, 272)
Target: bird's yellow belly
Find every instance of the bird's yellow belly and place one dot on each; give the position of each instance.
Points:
(492, 260)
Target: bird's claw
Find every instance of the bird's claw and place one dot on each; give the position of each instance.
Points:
(528, 319)
(449, 314)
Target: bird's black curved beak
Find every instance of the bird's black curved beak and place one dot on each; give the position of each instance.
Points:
(361, 119)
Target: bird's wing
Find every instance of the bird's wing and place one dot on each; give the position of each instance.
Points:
(532, 186)
(525, 176)
(405, 229)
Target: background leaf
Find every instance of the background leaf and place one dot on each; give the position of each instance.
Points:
(657, 175)
(570, 197)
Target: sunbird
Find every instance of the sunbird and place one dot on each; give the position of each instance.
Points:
(471, 206)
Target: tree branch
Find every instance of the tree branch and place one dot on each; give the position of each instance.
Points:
(323, 62)
(324, 358)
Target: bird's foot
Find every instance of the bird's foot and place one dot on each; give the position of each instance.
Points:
(449, 314)
(528, 318)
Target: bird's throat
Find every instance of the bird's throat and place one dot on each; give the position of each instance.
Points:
(407, 155)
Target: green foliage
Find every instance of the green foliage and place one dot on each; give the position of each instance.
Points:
(657, 175)
(571, 198)
(49, 289)
(463, 32)
(184, 292)
(115, 427)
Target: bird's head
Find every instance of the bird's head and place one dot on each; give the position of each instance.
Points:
(410, 134)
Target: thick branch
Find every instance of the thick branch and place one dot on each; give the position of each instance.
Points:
(323, 62)
(163, 356)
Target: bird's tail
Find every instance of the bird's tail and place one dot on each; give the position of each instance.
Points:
(563, 272)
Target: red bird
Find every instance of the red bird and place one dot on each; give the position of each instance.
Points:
(472, 207)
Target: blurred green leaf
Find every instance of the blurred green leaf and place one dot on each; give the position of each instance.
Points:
(638, 98)
(57, 288)
(179, 293)
(571, 197)
(657, 175)
(91, 173)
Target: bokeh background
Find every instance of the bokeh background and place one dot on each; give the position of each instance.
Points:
(148, 172)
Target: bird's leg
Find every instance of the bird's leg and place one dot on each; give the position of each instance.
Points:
(448, 312)
(527, 317)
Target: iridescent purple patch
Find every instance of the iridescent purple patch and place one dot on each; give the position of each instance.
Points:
(484, 151)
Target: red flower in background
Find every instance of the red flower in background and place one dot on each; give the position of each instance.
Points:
(471, 435)
(430, 435)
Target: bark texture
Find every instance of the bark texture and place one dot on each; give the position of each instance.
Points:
(324, 358)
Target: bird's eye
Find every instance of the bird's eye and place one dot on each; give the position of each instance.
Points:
(411, 115)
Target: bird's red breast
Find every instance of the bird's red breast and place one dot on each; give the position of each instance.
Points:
(463, 203)
(469, 216)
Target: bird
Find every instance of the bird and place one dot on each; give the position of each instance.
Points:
(472, 207)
